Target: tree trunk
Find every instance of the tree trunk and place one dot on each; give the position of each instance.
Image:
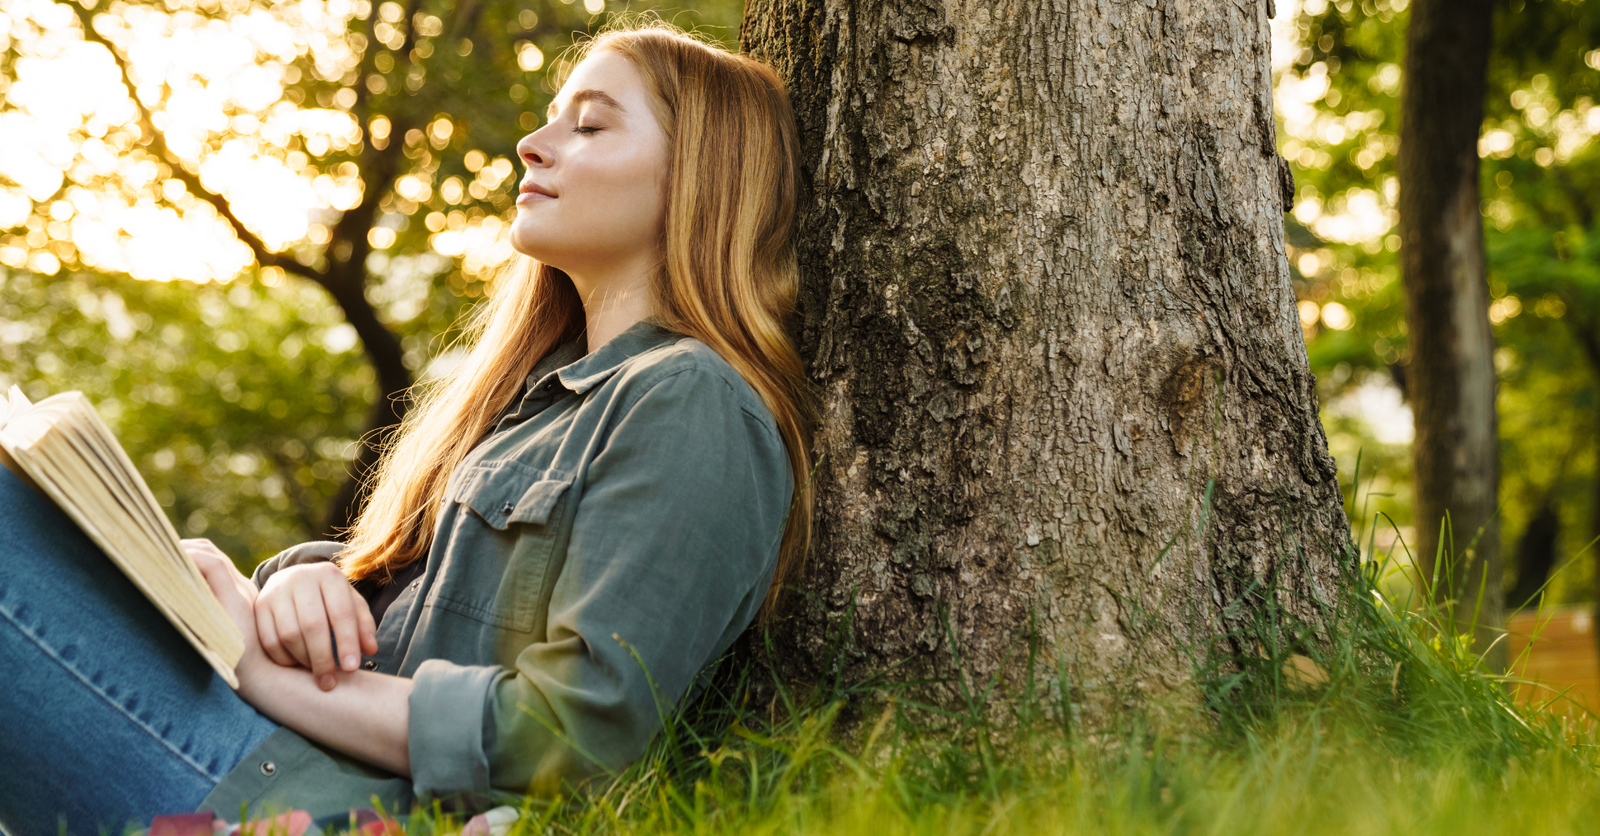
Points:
(1583, 329)
(346, 281)
(388, 362)
(1046, 298)
(1452, 373)
(1536, 553)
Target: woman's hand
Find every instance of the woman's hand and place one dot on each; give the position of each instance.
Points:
(300, 606)
(238, 598)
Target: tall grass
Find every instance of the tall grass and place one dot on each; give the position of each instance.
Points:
(1378, 719)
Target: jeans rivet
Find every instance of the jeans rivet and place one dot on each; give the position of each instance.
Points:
(369, 665)
(268, 767)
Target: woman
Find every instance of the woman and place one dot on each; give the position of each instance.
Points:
(565, 532)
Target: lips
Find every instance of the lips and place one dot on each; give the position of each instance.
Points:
(531, 188)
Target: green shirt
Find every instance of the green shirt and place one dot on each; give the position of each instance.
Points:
(633, 495)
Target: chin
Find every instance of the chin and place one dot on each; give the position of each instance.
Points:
(528, 245)
(540, 255)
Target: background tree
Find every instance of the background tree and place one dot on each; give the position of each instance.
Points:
(1451, 377)
(1045, 295)
(1539, 139)
(1339, 103)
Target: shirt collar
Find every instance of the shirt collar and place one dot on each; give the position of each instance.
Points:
(580, 372)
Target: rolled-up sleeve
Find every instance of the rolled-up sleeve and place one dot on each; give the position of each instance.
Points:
(316, 551)
(673, 543)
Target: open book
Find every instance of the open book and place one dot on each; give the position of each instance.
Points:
(62, 449)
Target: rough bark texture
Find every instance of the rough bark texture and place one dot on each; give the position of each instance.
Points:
(1047, 301)
(1452, 376)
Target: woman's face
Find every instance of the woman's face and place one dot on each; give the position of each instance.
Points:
(593, 200)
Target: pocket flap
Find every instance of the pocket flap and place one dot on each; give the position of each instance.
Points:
(502, 493)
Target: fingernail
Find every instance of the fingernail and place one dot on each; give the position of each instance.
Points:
(350, 662)
(327, 682)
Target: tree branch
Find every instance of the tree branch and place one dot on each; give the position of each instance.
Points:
(158, 143)
(380, 166)
(364, 69)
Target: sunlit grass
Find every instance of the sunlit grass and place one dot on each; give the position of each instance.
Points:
(1388, 727)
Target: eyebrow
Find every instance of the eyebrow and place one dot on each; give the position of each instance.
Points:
(587, 95)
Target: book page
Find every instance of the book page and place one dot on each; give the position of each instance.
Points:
(93, 453)
(111, 466)
(76, 461)
(130, 546)
(139, 499)
(15, 403)
(90, 507)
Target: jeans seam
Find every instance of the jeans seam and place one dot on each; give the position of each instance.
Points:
(9, 616)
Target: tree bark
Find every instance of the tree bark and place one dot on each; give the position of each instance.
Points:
(388, 361)
(1046, 297)
(1447, 313)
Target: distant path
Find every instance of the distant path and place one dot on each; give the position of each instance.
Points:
(1564, 656)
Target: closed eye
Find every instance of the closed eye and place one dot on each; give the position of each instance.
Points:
(585, 129)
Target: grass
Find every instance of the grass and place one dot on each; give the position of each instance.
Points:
(1385, 724)
(1393, 731)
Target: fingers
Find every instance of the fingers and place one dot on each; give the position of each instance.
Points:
(369, 627)
(206, 555)
(337, 597)
(314, 631)
(233, 590)
(207, 564)
(206, 558)
(267, 631)
(290, 635)
(310, 616)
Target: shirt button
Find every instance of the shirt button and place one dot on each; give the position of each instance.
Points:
(369, 665)
(506, 509)
(268, 768)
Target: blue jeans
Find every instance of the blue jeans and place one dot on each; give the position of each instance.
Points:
(107, 715)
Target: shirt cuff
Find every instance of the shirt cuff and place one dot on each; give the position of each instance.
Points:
(316, 551)
(445, 729)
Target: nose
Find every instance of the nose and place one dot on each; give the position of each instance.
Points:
(533, 151)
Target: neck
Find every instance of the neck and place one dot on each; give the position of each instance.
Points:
(613, 304)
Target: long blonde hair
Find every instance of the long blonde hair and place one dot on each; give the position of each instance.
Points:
(729, 280)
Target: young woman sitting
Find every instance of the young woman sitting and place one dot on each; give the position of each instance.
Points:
(601, 497)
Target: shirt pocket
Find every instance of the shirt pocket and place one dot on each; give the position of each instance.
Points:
(508, 527)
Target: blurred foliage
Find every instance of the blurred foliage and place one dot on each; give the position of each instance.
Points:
(234, 401)
(280, 166)
(273, 123)
(1338, 98)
